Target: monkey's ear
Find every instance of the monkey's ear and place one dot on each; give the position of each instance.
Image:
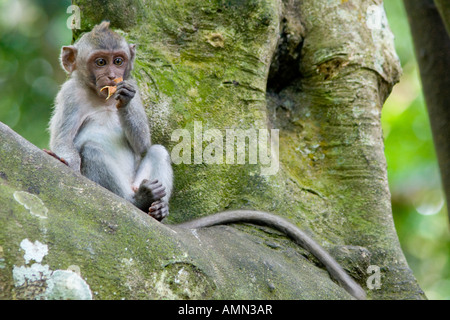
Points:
(68, 58)
(132, 51)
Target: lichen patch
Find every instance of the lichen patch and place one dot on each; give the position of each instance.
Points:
(40, 282)
(31, 202)
(33, 251)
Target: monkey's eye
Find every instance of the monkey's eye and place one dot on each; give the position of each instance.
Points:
(100, 62)
(118, 61)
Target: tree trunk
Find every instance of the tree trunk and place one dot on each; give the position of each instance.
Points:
(317, 71)
(444, 11)
(432, 46)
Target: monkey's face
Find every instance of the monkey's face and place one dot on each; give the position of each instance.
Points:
(104, 67)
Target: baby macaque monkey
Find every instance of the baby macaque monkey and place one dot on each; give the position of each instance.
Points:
(108, 140)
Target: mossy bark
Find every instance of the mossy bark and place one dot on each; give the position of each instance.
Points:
(318, 71)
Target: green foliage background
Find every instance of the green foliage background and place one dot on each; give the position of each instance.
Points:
(420, 212)
(32, 33)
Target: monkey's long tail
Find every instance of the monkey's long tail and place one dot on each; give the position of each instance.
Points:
(292, 231)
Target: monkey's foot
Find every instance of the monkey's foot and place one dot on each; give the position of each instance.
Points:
(159, 210)
(148, 193)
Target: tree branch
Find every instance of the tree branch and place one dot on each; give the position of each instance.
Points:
(59, 227)
(432, 46)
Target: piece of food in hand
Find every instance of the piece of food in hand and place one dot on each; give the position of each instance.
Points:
(112, 89)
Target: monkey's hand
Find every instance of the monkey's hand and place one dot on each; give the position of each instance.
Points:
(124, 93)
(54, 155)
